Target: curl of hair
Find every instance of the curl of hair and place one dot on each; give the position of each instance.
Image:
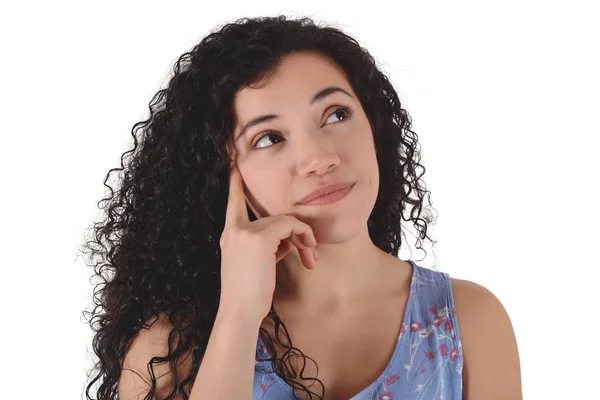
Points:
(157, 249)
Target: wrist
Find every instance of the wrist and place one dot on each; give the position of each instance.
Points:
(236, 317)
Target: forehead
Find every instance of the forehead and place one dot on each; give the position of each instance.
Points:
(297, 78)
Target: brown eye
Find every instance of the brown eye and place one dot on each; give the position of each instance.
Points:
(267, 133)
(345, 110)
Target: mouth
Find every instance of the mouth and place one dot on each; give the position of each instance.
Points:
(329, 197)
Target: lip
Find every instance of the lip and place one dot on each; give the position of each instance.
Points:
(325, 190)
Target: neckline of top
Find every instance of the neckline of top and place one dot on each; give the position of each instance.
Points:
(391, 362)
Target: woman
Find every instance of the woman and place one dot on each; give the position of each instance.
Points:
(214, 257)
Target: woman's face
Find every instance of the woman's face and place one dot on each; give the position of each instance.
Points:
(311, 143)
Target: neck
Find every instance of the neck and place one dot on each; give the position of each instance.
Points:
(347, 274)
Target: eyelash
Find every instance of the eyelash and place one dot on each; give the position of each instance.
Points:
(346, 109)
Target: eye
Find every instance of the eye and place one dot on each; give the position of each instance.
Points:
(346, 111)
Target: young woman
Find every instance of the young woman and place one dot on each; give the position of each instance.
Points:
(262, 204)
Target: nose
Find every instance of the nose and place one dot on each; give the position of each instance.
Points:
(316, 154)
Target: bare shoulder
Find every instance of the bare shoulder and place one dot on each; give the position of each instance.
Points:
(491, 358)
(135, 380)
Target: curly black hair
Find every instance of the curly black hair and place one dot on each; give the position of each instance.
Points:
(157, 250)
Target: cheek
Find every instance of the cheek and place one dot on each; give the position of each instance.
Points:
(266, 189)
(365, 161)
(362, 151)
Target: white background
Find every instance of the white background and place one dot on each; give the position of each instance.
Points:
(503, 95)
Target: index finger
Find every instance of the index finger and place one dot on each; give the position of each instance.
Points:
(236, 212)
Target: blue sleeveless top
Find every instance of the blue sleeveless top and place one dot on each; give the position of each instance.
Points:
(427, 362)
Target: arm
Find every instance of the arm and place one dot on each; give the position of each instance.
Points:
(230, 353)
(134, 382)
(491, 359)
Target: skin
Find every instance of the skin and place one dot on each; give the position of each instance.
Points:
(357, 294)
(354, 280)
(314, 145)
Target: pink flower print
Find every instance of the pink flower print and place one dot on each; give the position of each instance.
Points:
(453, 313)
(437, 322)
(391, 380)
(402, 329)
(454, 354)
(433, 310)
(425, 332)
(415, 326)
(386, 396)
(444, 349)
(443, 314)
(428, 356)
(448, 325)
(264, 388)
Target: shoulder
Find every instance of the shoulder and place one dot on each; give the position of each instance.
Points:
(146, 344)
(491, 359)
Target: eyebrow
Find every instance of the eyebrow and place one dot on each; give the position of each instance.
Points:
(320, 95)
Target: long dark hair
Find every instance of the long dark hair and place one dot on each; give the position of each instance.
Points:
(157, 249)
